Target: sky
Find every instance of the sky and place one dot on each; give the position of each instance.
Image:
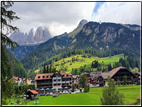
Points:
(60, 17)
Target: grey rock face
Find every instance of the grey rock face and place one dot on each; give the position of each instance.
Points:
(41, 35)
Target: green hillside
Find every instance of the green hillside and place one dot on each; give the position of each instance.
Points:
(86, 61)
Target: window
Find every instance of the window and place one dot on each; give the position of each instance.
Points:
(46, 76)
(38, 76)
(43, 76)
(67, 75)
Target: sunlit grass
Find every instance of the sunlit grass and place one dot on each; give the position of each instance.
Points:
(131, 93)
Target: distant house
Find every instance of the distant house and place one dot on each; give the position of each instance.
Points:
(17, 80)
(27, 81)
(96, 79)
(119, 73)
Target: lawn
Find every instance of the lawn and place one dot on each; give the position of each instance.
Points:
(131, 93)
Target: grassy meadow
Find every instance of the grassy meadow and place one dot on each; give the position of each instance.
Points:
(87, 61)
(131, 94)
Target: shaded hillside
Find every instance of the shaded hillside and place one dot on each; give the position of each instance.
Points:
(21, 51)
(17, 66)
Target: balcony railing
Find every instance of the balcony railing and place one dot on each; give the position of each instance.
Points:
(63, 81)
(54, 82)
(59, 82)
(56, 77)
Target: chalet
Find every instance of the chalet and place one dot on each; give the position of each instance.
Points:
(96, 79)
(119, 73)
(53, 80)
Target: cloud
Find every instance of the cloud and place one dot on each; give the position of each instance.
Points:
(119, 12)
(59, 17)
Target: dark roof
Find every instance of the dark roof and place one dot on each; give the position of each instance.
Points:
(112, 72)
(95, 75)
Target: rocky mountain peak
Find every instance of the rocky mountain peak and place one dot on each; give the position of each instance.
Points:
(41, 34)
(82, 23)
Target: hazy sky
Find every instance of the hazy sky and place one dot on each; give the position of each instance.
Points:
(60, 17)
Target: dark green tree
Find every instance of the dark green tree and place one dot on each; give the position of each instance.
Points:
(7, 16)
(44, 69)
(47, 69)
(111, 95)
(124, 79)
(132, 80)
(109, 67)
(82, 81)
(85, 87)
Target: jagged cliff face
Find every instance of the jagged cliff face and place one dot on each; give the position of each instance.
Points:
(107, 36)
(41, 35)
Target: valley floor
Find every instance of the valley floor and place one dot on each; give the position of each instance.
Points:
(131, 94)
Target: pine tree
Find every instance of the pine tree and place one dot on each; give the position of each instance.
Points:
(47, 69)
(44, 70)
(7, 16)
(132, 80)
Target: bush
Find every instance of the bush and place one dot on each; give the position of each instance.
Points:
(138, 82)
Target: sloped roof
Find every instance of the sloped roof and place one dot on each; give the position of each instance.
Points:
(33, 91)
(65, 75)
(45, 76)
(49, 76)
(112, 72)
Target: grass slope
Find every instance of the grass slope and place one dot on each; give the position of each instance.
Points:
(131, 93)
(88, 61)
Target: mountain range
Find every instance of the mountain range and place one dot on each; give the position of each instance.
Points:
(92, 35)
(41, 35)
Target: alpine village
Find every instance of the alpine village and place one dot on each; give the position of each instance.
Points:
(97, 63)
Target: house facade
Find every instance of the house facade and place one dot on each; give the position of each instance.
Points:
(27, 81)
(96, 79)
(75, 79)
(53, 80)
